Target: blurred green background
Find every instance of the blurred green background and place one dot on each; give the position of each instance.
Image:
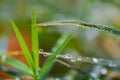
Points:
(88, 43)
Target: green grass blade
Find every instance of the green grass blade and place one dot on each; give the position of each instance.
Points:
(23, 46)
(81, 24)
(84, 73)
(80, 71)
(35, 44)
(19, 65)
(57, 49)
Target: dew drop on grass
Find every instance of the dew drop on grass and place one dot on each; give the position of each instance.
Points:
(68, 56)
(73, 60)
(112, 64)
(95, 60)
(40, 51)
(79, 58)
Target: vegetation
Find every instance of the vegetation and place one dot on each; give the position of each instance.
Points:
(65, 49)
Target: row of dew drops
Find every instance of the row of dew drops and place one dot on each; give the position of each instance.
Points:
(74, 59)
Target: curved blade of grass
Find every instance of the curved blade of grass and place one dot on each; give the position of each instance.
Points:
(19, 65)
(94, 60)
(61, 43)
(81, 24)
(9, 70)
(23, 46)
(80, 71)
(35, 44)
(84, 73)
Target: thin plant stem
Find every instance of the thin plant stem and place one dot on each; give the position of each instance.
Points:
(81, 24)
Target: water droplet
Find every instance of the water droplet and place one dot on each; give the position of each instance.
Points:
(95, 60)
(112, 64)
(103, 71)
(45, 55)
(79, 58)
(40, 51)
(73, 60)
(68, 56)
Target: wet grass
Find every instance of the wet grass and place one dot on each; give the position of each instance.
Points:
(32, 57)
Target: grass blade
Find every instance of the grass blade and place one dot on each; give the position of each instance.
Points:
(57, 49)
(84, 73)
(80, 71)
(19, 65)
(35, 44)
(81, 24)
(23, 46)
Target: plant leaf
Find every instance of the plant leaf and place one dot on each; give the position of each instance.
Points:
(87, 75)
(61, 43)
(35, 43)
(23, 46)
(81, 24)
(19, 65)
(80, 71)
